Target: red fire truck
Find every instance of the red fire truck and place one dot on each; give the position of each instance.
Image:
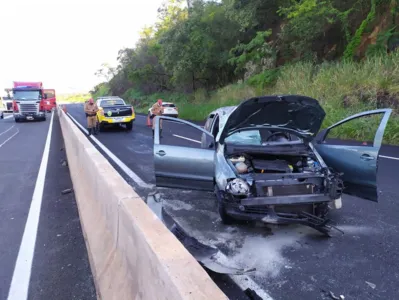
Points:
(28, 101)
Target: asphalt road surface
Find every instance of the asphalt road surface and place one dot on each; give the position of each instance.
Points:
(42, 250)
(292, 262)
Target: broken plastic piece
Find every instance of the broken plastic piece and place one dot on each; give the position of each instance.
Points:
(67, 191)
(206, 255)
(372, 285)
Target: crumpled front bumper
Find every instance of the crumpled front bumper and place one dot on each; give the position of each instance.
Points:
(259, 208)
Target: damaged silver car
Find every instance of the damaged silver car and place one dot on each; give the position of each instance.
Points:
(266, 160)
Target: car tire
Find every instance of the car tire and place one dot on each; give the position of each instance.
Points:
(129, 126)
(226, 219)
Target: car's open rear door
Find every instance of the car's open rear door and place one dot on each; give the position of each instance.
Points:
(180, 161)
(357, 160)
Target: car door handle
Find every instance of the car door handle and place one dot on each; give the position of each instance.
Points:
(366, 156)
(161, 153)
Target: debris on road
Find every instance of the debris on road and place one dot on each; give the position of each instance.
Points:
(66, 191)
(372, 285)
(204, 254)
(341, 297)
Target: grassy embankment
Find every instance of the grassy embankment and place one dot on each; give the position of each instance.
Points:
(61, 98)
(343, 89)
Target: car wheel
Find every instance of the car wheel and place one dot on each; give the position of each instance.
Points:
(129, 126)
(226, 219)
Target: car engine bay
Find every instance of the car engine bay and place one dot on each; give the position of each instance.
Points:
(260, 163)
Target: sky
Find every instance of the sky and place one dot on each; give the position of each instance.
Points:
(63, 43)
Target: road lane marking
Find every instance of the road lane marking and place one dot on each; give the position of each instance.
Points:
(2, 144)
(7, 130)
(389, 157)
(116, 160)
(21, 277)
(186, 138)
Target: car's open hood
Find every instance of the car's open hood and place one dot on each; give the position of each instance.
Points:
(300, 113)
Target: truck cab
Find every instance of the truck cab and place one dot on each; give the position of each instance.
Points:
(28, 101)
(50, 101)
(6, 102)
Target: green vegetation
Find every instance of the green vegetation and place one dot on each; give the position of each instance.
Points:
(220, 53)
(73, 97)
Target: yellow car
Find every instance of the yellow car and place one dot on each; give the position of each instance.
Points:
(113, 111)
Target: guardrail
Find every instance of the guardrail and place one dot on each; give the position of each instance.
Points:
(132, 254)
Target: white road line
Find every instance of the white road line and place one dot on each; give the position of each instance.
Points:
(186, 138)
(389, 157)
(243, 281)
(2, 144)
(7, 130)
(20, 280)
(124, 167)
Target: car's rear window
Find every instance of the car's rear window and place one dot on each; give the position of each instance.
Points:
(112, 102)
(168, 105)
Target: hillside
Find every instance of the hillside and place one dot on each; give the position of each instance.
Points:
(218, 53)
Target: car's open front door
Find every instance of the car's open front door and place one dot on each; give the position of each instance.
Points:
(180, 159)
(356, 159)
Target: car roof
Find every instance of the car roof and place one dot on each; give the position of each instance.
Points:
(223, 112)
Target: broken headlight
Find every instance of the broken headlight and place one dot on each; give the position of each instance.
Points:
(237, 187)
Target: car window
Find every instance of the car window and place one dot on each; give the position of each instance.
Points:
(208, 122)
(112, 102)
(168, 105)
(215, 127)
(248, 137)
(49, 94)
(359, 131)
(175, 133)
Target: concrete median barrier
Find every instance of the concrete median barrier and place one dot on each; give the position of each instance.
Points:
(132, 254)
